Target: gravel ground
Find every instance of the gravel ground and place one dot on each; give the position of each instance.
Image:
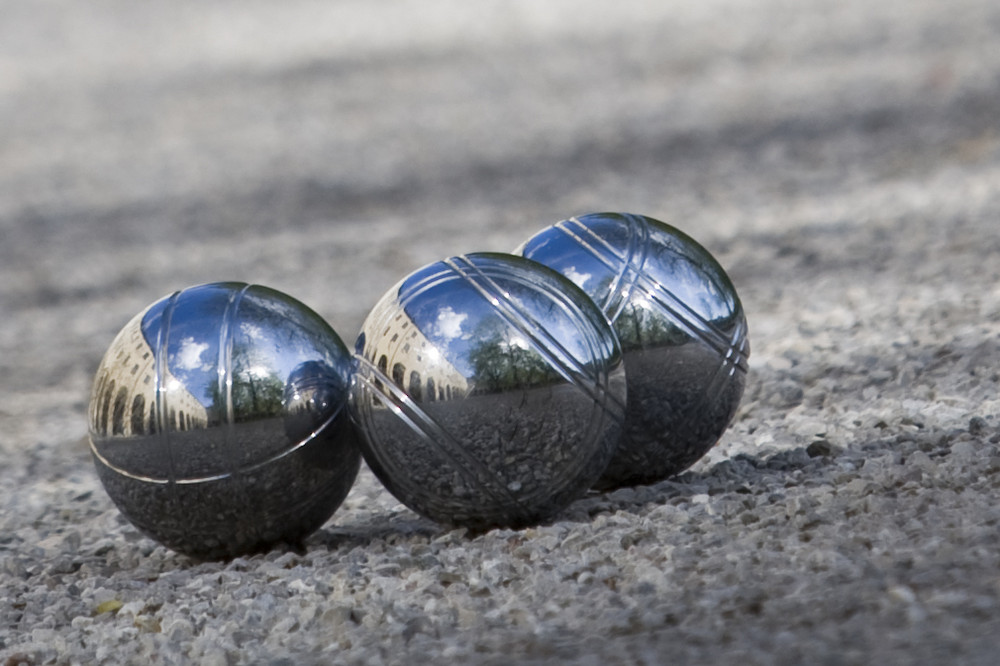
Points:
(840, 158)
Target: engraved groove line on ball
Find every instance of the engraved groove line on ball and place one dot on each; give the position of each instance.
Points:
(225, 370)
(424, 425)
(218, 477)
(632, 263)
(605, 403)
(138, 477)
(543, 342)
(416, 289)
(635, 259)
(523, 322)
(614, 260)
(700, 328)
(715, 386)
(160, 359)
(720, 377)
(536, 333)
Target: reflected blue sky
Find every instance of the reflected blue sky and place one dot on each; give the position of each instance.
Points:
(456, 317)
(450, 315)
(270, 336)
(601, 253)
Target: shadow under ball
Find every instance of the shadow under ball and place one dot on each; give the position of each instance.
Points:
(219, 421)
(489, 391)
(681, 327)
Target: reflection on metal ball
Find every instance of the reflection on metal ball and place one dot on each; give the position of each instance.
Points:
(489, 391)
(681, 327)
(219, 421)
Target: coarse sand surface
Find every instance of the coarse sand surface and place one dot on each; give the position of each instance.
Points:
(841, 158)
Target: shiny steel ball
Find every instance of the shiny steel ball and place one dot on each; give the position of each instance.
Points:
(489, 391)
(219, 421)
(682, 330)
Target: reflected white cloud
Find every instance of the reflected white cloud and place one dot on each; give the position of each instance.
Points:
(189, 355)
(516, 341)
(252, 331)
(449, 324)
(578, 278)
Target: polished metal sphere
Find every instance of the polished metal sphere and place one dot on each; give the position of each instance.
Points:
(489, 391)
(219, 421)
(681, 327)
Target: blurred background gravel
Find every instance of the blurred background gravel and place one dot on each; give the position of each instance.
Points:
(841, 159)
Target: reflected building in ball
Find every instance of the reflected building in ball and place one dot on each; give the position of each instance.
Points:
(124, 397)
(416, 364)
